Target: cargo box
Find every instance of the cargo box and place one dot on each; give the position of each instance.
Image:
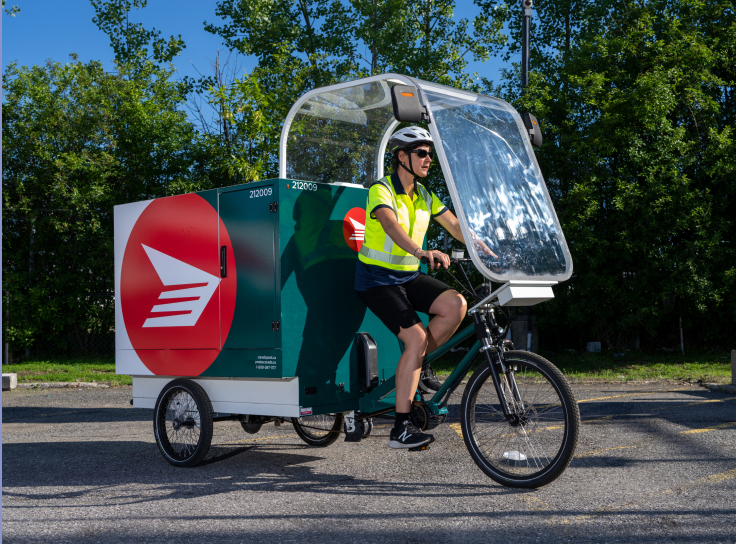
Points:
(248, 289)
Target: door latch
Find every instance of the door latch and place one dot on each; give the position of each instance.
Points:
(275, 325)
(223, 262)
(274, 207)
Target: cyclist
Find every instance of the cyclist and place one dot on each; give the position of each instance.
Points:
(387, 277)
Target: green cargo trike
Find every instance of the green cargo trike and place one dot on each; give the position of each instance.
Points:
(238, 303)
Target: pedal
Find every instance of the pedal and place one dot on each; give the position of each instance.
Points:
(420, 448)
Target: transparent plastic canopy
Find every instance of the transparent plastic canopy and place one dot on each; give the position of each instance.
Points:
(500, 197)
(334, 134)
(340, 133)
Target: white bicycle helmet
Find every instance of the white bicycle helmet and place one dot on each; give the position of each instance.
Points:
(409, 137)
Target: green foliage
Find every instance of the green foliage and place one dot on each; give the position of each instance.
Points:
(77, 141)
(636, 101)
(131, 41)
(312, 43)
(11, 11)
(251, 111)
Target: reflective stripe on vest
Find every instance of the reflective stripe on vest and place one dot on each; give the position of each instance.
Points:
(384, 257)
(387, 256)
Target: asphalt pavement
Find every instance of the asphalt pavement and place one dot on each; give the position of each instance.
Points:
(655, 463)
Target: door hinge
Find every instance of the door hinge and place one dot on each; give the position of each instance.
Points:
(274, 207)
(276, 325)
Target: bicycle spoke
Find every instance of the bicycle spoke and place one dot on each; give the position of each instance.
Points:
(182, 424)
(534, 438)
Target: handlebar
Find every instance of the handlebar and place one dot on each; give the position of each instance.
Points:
(425, 260)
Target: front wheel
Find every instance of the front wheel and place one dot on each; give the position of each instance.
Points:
(318, 431)
(538, 443)
(182, 423)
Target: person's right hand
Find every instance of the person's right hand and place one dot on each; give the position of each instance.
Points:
(436, 258)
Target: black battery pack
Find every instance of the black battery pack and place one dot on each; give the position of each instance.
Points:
(366, 352)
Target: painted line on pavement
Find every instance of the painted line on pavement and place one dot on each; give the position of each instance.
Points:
(633, 394)
(457, 428)
(708, 429)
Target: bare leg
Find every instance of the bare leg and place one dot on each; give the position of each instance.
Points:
(449, 310)
(410, 365)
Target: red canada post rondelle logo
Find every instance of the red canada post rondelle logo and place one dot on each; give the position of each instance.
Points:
(176, 307)
(353, 228)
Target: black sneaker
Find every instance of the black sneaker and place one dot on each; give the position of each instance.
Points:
(409, 436)
(428, 381)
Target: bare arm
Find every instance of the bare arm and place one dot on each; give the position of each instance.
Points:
(450, 222)
(387, 218)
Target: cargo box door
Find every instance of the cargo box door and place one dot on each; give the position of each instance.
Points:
(169, 278)
(249, 218)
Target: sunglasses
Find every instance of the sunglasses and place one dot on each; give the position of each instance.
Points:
(422, 153)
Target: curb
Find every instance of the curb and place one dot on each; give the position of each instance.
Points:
(63, 385)
(723, 388)
(10, 381)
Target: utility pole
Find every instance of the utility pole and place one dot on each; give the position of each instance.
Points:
(526, 23)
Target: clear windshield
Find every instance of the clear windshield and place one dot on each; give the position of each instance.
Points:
(497, 188)
(335, 135)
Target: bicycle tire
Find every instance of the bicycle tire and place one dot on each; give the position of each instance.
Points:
(182, 423)
(329, 429)
(537, 447)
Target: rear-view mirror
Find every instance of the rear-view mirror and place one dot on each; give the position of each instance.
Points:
(532, 127)
(405, 100)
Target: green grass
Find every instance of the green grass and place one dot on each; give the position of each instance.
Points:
(68, 370)
(632, 366)
(578, 366)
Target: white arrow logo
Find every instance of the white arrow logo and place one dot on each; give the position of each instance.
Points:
(359, 230)
(175, 272)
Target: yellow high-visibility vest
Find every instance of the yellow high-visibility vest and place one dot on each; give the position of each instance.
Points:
(412, 214)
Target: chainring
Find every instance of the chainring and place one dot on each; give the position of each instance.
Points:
(420, 415)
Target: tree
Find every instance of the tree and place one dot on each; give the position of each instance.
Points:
(77, 141)
(312, 43)
(131, 41)
(636, 100)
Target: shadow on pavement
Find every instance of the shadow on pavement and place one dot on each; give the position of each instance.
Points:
(41, 414)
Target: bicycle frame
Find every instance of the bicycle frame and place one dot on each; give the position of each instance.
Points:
(374, 404)
(436, 405)
(489, 337)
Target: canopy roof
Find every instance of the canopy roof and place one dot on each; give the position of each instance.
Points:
(338, 134)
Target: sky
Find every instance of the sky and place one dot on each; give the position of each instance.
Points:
(53, 29)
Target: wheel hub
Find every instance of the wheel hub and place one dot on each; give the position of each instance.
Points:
(516, 420)
(188, 422)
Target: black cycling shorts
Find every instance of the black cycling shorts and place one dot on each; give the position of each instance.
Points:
(397, 305)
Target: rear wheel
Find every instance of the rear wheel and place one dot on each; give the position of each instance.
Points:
(318, 431)
(182, 423)
(537, 445)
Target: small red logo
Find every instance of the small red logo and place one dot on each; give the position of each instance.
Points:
(353, 228)
(171, 292)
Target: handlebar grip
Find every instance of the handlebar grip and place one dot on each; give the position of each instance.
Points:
(424, 260)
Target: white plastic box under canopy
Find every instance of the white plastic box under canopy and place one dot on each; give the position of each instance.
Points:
(340, 133)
